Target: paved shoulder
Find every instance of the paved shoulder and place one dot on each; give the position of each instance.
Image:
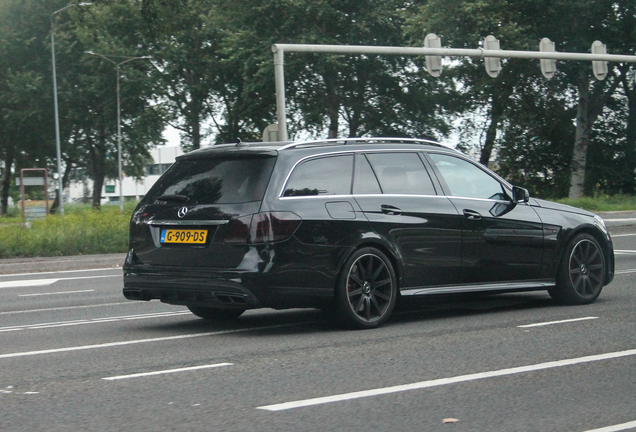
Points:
(618, 218)
(43, 264)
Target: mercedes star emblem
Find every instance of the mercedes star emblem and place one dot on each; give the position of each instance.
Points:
(182, 212)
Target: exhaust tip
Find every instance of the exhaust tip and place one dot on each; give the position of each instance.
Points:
(133, 294)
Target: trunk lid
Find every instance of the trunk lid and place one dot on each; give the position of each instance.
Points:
(188, 215)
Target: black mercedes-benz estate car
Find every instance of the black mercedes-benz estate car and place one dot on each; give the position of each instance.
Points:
(350, 225)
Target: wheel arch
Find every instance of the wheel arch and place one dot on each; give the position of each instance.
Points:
(602, 241)
(386, 250)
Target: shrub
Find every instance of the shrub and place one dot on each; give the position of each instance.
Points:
(81, 231)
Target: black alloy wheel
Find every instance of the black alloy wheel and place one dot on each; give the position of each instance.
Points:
(209, 313)
(581, 273)
(367, 289)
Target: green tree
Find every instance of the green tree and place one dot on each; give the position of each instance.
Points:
(89, 94)
(535, 148)
(26, 108)
(520, 25)
(464, 24)
(184, 43)
(344, 95)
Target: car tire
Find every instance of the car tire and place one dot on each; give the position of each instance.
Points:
(581, 273)
(366, 290)
(209, 313)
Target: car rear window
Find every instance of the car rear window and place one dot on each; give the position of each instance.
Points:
(215, 181)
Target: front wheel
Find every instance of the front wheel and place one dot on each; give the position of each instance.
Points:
(209, 313)
(581, 273)
(366, 290)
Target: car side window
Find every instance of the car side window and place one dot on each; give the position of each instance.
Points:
(465, 179)
(401, 173)
(365, 182)
(321, 176)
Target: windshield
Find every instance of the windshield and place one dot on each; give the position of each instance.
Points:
(214, 181)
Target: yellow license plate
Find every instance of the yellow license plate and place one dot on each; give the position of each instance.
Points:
(183, 236)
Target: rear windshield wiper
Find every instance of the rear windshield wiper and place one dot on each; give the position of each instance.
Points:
(179, 198)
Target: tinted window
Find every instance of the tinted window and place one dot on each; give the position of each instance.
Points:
(215, 181)
(365, 181)
(322, 176)
(401, 173)
(465, 179)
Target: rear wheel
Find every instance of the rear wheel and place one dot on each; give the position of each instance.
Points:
(581, 273)
(209, 313)
(366, 290)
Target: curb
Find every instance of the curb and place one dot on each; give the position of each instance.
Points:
(49, 264)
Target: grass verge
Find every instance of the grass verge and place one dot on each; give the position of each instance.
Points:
(81, 231)
(84, 231)
(602, 203)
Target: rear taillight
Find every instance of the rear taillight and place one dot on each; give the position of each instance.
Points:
(268, 227)
(273, 226)
(238, 231)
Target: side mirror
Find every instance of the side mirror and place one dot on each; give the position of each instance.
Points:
(520, 194)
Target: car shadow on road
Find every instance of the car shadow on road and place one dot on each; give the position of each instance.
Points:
(302, 321)
(449, 306)
(252, 320)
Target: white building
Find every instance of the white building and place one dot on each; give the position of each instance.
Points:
(162, 156)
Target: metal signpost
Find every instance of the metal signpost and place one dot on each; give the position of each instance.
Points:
(33, 181)
(60, 186)
(491, 54)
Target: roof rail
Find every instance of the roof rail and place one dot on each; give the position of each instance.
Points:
(374, 140)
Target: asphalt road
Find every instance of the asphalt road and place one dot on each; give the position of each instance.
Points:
(76, 356)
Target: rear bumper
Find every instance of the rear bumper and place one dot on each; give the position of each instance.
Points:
(285, 275)
(222, 289)
(182, 290)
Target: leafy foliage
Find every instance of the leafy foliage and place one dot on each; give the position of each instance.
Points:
(211, 76)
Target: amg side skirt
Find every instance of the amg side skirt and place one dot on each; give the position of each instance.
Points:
(481, 287)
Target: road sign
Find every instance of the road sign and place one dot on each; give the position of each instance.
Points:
(36, 210)
(548, 66)
(433, 63)
(30, 181)
(599, 67)
(492, 64)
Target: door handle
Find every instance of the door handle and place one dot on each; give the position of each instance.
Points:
(472, 214)
(390, 210)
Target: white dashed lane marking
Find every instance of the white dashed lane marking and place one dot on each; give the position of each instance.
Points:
(169, 371)
(55, 293)
(557, 322)
(44, 282)
(444, 381)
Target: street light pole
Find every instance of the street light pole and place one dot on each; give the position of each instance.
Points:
(117, 65)
(58, 147)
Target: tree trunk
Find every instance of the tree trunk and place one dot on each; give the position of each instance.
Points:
(629, 182)
(333, 106)
(195, 128)
(496, 113)
(196, 112)
(98, 159)
(588, 110)
(65, 180)
(6, 184)
(500, 93)
(354, 124)
(581, 142)
(98, 183)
